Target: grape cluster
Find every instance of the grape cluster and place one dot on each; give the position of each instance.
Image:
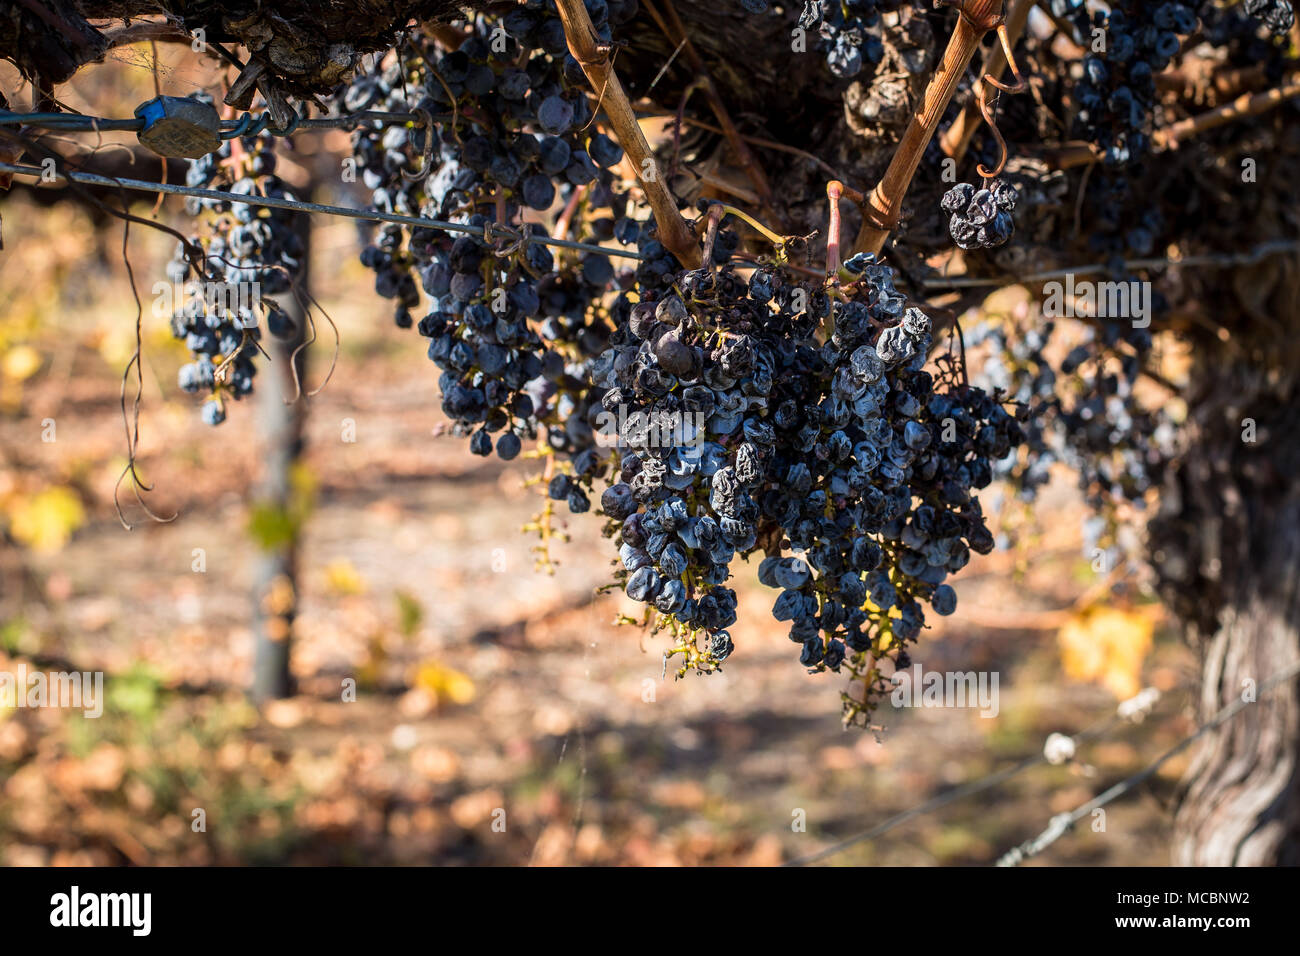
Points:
(1235, 31)
(737, 423)
(505, 135)
(1085, 414)
(1017, 365)
(677, 382)
(1277, 15)
(980, 218)
(1117, 446)
(741, 428)
(512, 325)
(1085, 411)
(249, 252)
(1116, 92)
(882, 507)
(849, 30)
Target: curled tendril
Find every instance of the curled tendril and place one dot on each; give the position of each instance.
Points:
(311, 324)
(426, 157)
(248, 126)
(987, 103)
(455, 109)
(1020, 85)
(986, 109)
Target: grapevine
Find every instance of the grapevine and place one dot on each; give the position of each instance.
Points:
(751, 386)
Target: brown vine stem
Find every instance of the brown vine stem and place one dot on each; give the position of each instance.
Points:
(561, 230)
(1070, 155)
(884, 207)
(1245, 105)
(444, 33)
(164, 30)
(674, 232)
(705, 82)
(677, 125)
(834, 190)
(716, 212)
(722, 184)
(956, 138)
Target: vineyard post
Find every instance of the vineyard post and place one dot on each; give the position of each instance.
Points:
(280, 426)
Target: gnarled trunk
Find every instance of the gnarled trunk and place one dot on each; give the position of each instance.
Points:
(1242, 801)
(1228, 548)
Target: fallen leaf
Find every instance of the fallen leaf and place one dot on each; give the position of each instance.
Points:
(445, 684)
(342, 578)
(45, 521)
(21, 362)
(1107, 646)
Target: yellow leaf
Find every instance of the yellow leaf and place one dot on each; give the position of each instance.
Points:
(45, 521)
(459, 688)
(21, 362)
(1107, 645)
(342, 578)
(444, 683)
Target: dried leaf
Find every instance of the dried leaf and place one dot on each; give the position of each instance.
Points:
(444, 683)
(46, 521)
(1108, 645)
(343, 579)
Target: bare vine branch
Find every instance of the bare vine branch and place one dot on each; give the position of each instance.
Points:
(956, 138)
(674, 232)
(734, 139)
(1070, 155)
(884, 206)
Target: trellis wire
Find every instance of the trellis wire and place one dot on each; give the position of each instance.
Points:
(489, 231)
(246, 125)
(1098, 729)
(1249, 257)
(1062, 823)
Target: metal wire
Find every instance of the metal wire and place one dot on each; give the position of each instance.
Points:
(1249, 257)
(246, 125)
(1062, 823)
(1096, 730)
(69, 121)
(488, 232)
